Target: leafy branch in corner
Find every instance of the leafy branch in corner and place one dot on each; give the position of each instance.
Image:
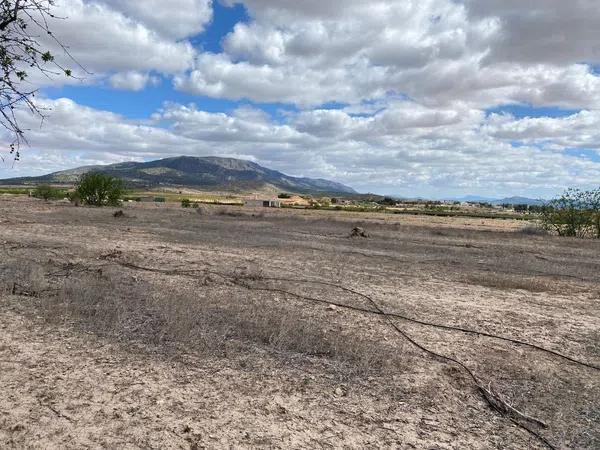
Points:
(22, 50)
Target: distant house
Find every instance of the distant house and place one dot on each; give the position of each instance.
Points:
(266, 202)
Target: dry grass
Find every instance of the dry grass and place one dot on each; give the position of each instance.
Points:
(221, 321)
(534, 229)
(229, 212)
(509, 282)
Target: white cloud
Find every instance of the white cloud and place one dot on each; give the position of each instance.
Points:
(437, 52)
(403, 149)
(542, 31)
(108, 36)
(132, 80)
(577, 130)
(175, 19)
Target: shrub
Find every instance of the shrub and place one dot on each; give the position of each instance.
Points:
(185, 203)
(98, 189)
(47, 192)
(575, 213)
(523, 208)
(387, 201)
(534, 230)
(74, 198)
(159, 200)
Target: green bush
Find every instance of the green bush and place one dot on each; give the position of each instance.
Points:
(74, 198)
(575, 213)
(98, 189)
(185, 203)
(159, 199)
(47, 192)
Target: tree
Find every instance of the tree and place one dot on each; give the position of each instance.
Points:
(592, 202)
(575, 213)
(22, 22)
(521, 207)
(387, 201)
(46, 192)
(98, 189)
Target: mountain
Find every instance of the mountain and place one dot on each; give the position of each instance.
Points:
(473, 199)
(501, 201)
(210, 173)
(519, 201)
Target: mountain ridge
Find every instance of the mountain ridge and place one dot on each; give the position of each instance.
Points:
(514, 200)
(206, 172)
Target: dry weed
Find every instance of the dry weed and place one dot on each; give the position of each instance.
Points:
(509, 282)
(220, 321)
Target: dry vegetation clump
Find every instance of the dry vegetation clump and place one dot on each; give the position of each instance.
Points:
(358, 232)
(229, 212)
(534, 229)
(505, 281)
(593, 343)
(22, 278)
(214, 318)
(200, 210)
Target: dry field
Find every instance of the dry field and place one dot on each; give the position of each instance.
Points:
(228, 328)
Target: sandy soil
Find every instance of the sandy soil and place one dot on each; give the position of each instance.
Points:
(66, 385)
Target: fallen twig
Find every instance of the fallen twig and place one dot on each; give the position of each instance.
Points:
(507, 408)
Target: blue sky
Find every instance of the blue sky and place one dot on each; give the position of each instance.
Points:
(438, 98)
(224, 19)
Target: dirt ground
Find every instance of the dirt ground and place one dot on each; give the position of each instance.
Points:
(225, 328)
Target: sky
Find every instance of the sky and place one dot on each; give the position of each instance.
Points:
(430, 98)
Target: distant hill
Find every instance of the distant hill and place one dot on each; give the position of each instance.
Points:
(473, 199)
(519, 201)
(209, 173)
(501, 201)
